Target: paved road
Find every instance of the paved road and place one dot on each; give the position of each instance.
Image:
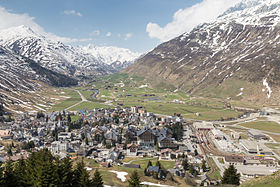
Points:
(82, 96)
(83, 100)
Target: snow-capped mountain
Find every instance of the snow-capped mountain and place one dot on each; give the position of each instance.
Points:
(118, 58)
(53, 55)
(236, 56)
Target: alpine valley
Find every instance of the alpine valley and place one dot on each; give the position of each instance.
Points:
(31, 59)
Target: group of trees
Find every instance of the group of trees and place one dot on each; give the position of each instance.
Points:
(189, 167)
(1, 109)
(177, 130)
(42, 169)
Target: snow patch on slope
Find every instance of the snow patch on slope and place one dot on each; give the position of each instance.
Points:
(269, 91)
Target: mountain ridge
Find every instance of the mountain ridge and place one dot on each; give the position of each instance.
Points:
(232, 48)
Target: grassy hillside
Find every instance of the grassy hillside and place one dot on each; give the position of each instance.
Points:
(266, 181)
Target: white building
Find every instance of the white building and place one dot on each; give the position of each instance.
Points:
(57, 147)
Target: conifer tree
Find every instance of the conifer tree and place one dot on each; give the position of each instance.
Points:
(20, 172)
(1, 174)
(185, 164)
(158, 164)
(81, 176)
(65, 172)
(195, 152)
(97, 179)
(69, 118)
(40, 169)
(148, 165)
(134, 180)
(9, 177)
(231, 176)
(204, 168)
(192, 170)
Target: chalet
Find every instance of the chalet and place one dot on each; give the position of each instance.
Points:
(156, 171)
(146, 138)
(166, 142)
(132, 150)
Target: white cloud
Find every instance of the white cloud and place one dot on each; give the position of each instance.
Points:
(108, 34)
(127, 36)
(9, 19)
(95, 33)
(119, 35)
(184, 20)
(72, 12)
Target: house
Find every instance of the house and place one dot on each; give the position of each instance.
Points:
(146, 138)
(235, 160)
(166, 142)
(5, 134)
(155, 171)
(64, 136)
(111, 135)
(131, 150)
(167, 154)
(152, 169)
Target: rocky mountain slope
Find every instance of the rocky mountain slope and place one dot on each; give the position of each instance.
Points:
(21, 77)
(117, 58)
(237, 55)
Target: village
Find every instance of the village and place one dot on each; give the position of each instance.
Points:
(109, 136)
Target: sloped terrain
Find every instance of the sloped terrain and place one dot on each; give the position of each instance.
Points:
(241, 46)
(21, 78)
(271, 181)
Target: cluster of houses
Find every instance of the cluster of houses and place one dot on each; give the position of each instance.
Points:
(107, 136)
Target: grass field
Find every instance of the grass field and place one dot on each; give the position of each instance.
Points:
(265, 181)
(275, 137)
(74, 98)
(221, 160)
(263, 125)
(215, 171)
(110, 178)
(89, 105)
(161, 101)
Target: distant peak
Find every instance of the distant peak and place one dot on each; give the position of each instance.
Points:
(19, 31)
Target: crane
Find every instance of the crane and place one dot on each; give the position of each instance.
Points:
(83, 117)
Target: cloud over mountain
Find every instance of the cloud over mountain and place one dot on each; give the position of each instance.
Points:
(185, 20)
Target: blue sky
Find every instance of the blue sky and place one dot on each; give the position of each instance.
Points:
(139, 25)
